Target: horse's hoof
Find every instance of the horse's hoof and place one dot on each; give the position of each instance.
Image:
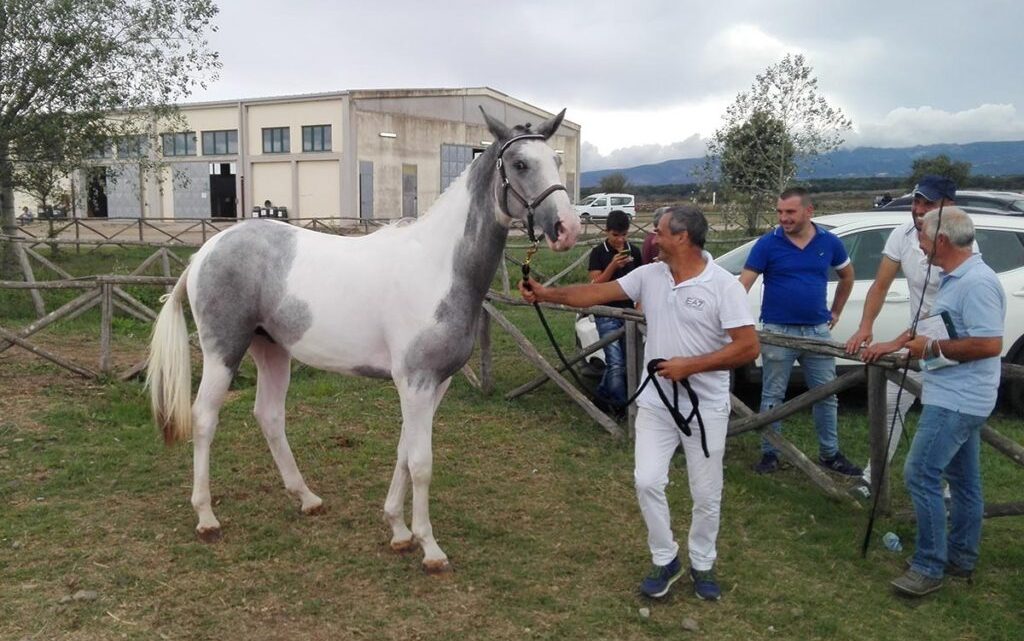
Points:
(437, 568)
(403, 547)
(210, 535)
(316, 510)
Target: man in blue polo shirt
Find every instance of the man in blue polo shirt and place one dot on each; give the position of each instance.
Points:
(795, 259)
(961, 379)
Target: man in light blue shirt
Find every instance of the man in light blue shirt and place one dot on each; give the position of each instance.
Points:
(961, 379)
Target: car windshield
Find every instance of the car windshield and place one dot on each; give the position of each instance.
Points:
(587, 200)
(734, 261)
(1017, 205)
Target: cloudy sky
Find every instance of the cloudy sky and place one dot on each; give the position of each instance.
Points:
(648, 80)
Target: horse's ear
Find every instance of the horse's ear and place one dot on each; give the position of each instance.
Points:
(549, 127)
(497, 128)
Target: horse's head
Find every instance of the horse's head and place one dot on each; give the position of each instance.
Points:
(529, 187)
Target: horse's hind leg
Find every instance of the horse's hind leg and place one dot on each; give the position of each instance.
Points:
(205, 411)
(273, 366)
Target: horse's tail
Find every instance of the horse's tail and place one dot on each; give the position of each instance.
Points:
(169, 370)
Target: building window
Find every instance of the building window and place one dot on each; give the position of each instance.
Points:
(316, 138)
(131, 146)
(180, 144)
(103, 150)
(276, 140)
(454, 160)
(219, 143)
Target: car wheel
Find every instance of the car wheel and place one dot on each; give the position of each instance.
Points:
(1015, 388)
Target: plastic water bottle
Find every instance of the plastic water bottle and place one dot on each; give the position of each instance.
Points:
(892, 542)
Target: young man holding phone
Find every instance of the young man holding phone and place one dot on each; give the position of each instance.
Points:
(611, 260)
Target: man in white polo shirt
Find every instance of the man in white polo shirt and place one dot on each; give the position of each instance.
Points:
(698, 320)
(902, 252)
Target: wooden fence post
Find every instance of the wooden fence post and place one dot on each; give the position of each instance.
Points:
(26, 268)
(878, 431)
(106, 320)
(633, 373)
(486, 357)
(165, 265)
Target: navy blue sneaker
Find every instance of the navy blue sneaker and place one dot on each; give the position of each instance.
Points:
(661, 578)
(840, 465)
(769, 463)
(705, 586)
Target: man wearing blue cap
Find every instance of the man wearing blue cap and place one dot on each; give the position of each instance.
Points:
(902, 251)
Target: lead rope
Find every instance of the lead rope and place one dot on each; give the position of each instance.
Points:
(682, 423)
(544, 321)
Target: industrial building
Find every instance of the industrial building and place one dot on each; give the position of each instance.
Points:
(350, 154)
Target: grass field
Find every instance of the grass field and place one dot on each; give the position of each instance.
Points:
(531, 500)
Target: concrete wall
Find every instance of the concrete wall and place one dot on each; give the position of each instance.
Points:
(273, 181)
(319, 188)
(294, 115)
(417, 142)
(202, 119)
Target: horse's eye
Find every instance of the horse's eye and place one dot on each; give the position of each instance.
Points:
(520, 165)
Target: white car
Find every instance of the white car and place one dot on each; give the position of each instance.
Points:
(598, 206)
(1000, 239)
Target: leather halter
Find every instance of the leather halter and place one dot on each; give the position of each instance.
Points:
(506, 186)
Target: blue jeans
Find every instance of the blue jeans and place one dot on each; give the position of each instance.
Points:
(946, 442)
(819, 369)
(613, 381)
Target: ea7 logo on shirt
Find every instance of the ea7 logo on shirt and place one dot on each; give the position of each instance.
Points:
(694, 302)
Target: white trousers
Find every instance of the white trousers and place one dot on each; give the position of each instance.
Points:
(656, 440)
(906, 400)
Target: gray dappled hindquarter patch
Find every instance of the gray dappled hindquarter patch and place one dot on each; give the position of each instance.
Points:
(241, 286)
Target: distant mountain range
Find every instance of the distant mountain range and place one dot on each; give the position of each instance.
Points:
(986, 158)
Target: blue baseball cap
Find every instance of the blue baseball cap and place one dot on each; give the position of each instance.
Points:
(935, 188)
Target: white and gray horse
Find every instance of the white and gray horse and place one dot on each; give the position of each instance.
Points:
(401, 303)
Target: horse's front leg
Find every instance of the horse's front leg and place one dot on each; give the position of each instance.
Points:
(394, 504)
(415, 463)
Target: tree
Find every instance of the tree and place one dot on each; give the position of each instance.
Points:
(76, 75)
(614, 183)
(752, 157)
(779, 124)
(942, 165)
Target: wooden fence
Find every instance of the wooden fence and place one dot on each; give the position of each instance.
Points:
(107, 292)
(744, 418)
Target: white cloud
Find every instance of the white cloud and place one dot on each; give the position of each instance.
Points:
(624, 157)
(909, 126)
(741, 50)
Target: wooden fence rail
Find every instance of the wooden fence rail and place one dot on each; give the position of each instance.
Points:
(746, 420)
(107, 292)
